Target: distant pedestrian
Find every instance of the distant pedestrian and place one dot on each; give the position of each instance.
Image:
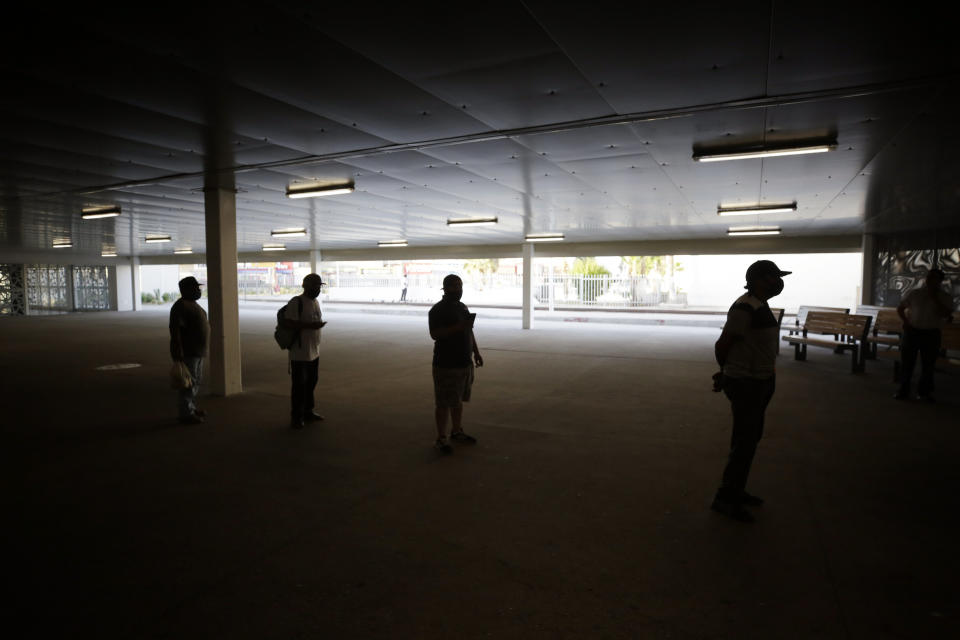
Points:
(923, 311)
(403, 294)
(189, 332)
(746, 352)
(303, 313)
(455, 352)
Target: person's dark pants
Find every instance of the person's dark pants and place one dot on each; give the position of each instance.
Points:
(403, 295)
(303, 374)
(926, 342)
(749, 398)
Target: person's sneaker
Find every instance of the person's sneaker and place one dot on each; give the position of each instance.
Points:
(296, 423)
(313, 416)
(460, 436)
(191, 419)
(443, 446)
(751, 500)
(733, 510)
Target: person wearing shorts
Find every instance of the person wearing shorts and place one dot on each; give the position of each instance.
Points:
(455, 352)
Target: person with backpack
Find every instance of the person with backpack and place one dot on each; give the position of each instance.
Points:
(302, 320)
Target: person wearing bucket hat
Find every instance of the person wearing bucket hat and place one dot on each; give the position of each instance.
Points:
(746, 352)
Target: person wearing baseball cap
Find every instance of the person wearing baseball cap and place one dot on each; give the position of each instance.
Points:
(303, 313)
(924, 311)
(746, 352)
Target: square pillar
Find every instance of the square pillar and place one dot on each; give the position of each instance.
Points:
(528, 285)
(136, 302)
(869, 249)
(220, 207)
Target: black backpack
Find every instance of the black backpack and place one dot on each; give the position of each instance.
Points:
(284, 336)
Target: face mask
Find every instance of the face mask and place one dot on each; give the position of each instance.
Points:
(777, 287)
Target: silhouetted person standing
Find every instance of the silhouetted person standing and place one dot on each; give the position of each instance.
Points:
(303, 313)
(451, 327)
(403, 293)
(746, 352)
(923, 311)
(189, 331)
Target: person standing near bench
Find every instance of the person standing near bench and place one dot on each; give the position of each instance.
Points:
(746, 352)
(189, 331)
(451, 327)
(923, 311)
(303, 313)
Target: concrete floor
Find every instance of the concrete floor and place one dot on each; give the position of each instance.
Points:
(582, 513)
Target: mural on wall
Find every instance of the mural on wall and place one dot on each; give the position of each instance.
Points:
(13, 296)
(899, 271)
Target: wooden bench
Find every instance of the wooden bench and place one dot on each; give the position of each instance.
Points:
(802, 312)
(849, 332)
(887, 328)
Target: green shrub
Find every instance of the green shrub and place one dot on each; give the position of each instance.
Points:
(147, 298)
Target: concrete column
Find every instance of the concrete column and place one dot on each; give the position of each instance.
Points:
(528, 285)
(869, 249)
(550, 293)
(222, 290)
(315, 259)
(136, 302)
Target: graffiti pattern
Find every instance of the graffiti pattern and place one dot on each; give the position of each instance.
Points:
(13, 297)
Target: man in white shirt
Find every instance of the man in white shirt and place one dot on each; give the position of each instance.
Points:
(746, 352)
(303, 313)
(923, 311)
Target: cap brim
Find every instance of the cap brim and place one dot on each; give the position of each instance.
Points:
(785, 273)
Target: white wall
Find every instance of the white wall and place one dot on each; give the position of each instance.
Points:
(822, 279)
(164, 277)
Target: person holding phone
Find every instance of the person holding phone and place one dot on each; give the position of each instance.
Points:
(303, 313)
(455, 352)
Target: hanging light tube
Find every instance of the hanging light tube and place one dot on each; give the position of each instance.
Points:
(762, 153)
(471, 222)
(183, 251)
(156, 239)
(756, 209)
(62, 243)
(392, 243)
(315, 191)
(92, 213)
(288, 233)
(544, 237)
(274, 247)
(753, 231)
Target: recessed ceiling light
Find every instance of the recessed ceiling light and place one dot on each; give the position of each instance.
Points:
(544, 237)
(183, 251)
(720, 156)
(471, 222)
(313, 191)
(274, 247)
(92, 213)
(756, 209)
(392, 243)
(153, 239)
(753, 231)
(288, 233)
(62, 243)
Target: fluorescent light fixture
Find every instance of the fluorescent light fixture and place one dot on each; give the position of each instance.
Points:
(182, 251)
(312, 191)
(753, 231)
(288, 233)
(274, 247)
(544, 237)
(763, 153)
(392, 243)
(92, 213)
(154, 239)
(734, 210)
(471, 222)
(62, 243)
(108, 254)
